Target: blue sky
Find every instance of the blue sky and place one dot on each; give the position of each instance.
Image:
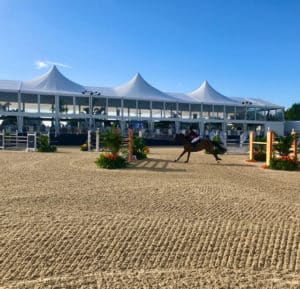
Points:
(246, 48)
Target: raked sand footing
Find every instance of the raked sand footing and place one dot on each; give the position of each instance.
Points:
(158, 224)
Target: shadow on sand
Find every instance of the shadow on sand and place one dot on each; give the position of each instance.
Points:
(155, 165)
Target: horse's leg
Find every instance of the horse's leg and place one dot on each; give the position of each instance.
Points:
(216, 157)
(179, 157)
(188, 157)
(211, 150)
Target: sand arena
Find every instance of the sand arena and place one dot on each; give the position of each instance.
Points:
(158, 224)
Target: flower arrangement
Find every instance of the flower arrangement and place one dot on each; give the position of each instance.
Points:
(111, 161)
(283, 163)
(84, 147)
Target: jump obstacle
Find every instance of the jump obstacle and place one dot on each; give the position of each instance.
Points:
(269, 146)
(14, 141)
(94, 141)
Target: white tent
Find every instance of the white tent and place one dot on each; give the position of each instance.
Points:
(52, 81)
(138, 88)
(206, 94)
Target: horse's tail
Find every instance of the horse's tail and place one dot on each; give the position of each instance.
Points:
(222, 149)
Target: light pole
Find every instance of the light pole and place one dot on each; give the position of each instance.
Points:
(91, 93)
(245, 128)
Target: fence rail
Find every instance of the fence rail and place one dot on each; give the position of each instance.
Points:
(14, 141)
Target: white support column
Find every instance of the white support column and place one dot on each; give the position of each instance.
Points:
(106, 108)
(151, 110)
(39, 103)
(19, 117)
(201, 112)
(177, 126)
(74, 105)
(19, 102)
(122, 108)
(56, 121)
(90, 110)
(20, 121)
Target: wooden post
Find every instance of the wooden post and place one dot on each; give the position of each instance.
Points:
(251, 145)
(130, 144)
(295, 146)
(269, 150)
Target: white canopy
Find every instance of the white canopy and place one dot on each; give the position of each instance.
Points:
(138, 88)
(52, 81)
(206, 94)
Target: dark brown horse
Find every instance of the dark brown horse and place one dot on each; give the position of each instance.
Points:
(199, 145)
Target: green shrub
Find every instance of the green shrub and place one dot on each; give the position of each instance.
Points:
(140, 150)
(283, 147)
(111, 161)
(112, 140)
(283, 163)
(44, 146)
(259, 156)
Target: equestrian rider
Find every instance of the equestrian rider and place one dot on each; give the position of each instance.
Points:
(193, 136)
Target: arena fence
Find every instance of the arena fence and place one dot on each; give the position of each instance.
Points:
(16, 141)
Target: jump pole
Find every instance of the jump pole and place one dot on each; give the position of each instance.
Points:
(269, 149)
(251, 145)
(130, 144)
(97, 140)
(2, 139)
(89, 140)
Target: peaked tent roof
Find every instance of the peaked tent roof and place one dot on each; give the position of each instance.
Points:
(256, 102)
(138, 88)
(53, 81)
(206, 94)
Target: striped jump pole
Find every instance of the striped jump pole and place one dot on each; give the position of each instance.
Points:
(251, 145)
(295, 145)
(89, 140)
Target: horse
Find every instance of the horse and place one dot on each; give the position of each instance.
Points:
(199, 145)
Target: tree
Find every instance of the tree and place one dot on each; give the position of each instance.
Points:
(293, 113)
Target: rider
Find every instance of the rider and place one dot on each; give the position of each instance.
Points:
(193, 135)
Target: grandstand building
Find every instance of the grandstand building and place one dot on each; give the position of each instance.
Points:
(53, 102)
